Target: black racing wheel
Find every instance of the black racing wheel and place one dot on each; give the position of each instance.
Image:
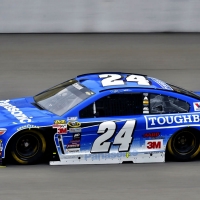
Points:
(184, 145)
(28, 147)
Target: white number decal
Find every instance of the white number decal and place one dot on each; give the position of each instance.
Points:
(141, 80)
(100, 144)
(111, 79)
(123, 138)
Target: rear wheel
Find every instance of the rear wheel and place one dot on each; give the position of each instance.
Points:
(28, 147)
(184, 145)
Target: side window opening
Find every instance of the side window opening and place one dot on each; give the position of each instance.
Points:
(165, 104)
(114, 105)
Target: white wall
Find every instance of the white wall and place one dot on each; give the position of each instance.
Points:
(99, 15)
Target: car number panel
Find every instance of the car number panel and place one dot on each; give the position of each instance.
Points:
(106, 142)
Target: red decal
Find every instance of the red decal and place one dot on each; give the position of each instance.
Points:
(61, 130)
(154, 134)
(154, 145)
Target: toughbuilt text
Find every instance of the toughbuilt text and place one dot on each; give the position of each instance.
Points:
(167, 121)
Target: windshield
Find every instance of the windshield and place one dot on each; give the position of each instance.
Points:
(183, 91)
(63, 97)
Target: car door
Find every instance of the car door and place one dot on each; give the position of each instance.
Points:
(109, 126)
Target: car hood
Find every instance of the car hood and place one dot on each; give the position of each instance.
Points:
(21, 110)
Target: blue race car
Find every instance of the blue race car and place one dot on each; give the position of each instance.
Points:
(102, 118)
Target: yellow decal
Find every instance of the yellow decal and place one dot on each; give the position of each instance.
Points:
(74, 124)
(127, 154)
(62, 121)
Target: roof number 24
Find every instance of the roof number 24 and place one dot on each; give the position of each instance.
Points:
(114, 79)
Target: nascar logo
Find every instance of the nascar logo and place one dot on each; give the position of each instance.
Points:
(172, 121)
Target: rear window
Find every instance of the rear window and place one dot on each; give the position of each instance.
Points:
(183, 91)
(166, 104)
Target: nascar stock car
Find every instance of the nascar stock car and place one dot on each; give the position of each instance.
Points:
(102, 118)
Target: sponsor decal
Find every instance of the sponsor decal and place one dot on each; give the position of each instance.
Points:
(154, 144)
(153, 135)
(104, 156)
(16, 112)
(145, 101)
(77, 136)
(75, 150)
(161, 83)
(172, 121)
(73, 145)
(146, 110)
(196, 106)
(75, 130)
(61, 126)
(72, 118)
(77, 86)
(74, 124)
(72, 156)
(62, 121)
(28, 126)
(127, 154)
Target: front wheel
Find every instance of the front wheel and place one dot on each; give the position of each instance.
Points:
(28, 147)
(184, 145)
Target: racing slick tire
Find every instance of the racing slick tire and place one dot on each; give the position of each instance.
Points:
(184, 145)
(28, 147)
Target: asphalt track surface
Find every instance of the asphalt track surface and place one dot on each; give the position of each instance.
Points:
(32, 63)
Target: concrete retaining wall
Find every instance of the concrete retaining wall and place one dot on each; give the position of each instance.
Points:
(35, 16)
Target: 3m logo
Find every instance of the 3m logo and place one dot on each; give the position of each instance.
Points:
(61, 130)
(154, 144)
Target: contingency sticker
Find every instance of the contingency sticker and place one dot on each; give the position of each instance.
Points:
(196, 106)
(74, 144)
(61, 126)
(145, 103)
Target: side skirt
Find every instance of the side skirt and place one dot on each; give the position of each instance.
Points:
(110, 158)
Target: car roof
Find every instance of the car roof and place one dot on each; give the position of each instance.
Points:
(94, 82)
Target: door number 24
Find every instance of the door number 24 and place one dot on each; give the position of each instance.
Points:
(123, 138)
